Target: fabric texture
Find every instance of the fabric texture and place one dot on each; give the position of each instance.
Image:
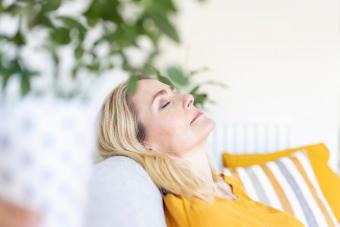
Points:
(288, 184)
(121, 193)
(242, 212)
(318, 155)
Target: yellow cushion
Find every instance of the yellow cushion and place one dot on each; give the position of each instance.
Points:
(288, 184)
(318, 154)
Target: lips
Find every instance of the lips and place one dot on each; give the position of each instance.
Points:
(198, 114)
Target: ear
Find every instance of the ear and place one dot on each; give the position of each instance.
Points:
(147, 146)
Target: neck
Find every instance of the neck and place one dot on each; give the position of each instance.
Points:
(198, 163)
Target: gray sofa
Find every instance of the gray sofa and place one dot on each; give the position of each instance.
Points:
(122, 194)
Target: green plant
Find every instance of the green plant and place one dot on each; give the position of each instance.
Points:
(119, 30)
(152, 20)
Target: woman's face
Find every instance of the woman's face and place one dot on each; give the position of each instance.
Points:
(166, 116)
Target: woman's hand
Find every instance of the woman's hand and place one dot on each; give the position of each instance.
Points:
(12, 215)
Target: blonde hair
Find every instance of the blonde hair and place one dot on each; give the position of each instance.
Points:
(121, 133)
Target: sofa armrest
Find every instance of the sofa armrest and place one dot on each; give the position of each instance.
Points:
(122, 194)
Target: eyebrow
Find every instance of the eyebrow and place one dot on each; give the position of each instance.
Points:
(161, 92)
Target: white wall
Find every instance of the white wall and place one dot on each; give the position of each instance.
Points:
(280, 59)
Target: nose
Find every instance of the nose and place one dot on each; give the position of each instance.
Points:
(188, 100)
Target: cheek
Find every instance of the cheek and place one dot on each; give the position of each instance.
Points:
(176, 134)
(170, 131)
(169, 128)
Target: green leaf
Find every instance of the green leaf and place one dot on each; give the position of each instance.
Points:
(26, 1)
(103, 9)
(81, 33)
(60, 35)
(25, 86)
(74, 72)
(54, 55)
(93, 67)
(69, 21)
(145, 26)
(132, 85)
(165, 80)
(200, 98)
(92, 21)
(154, 36)
(163, 6)
(14, 8)
(73, 23)
(197, 71)
(6, 72)
(5, 37)
(177, 75)
(125, 64)
(164, 25)
(5, 79)
(51, 5)
(124, 36)
(194, 90)
(39, 19)
(25, 82)
(147, 70)
(19, 39)
(78, 52)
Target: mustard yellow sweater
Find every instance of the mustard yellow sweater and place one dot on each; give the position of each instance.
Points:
(242, 212)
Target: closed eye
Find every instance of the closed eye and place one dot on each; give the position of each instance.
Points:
(173, 89)
(165, 105)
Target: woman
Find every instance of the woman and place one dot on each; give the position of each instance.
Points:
(166, 134)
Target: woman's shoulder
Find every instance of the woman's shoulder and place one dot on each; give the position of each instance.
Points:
(232, 181)
(173, 199)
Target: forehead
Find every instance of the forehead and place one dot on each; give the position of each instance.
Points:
(148, 87)
(145, 89)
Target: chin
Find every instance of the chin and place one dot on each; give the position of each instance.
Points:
(212, 123)
(208, 126)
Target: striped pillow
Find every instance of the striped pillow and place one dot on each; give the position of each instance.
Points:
(288, 184)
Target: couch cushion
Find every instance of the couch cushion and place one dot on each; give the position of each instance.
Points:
(318, 155)
(288, 184)
(121, 193)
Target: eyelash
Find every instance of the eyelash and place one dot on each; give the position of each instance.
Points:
(174, 90)
(165, 105)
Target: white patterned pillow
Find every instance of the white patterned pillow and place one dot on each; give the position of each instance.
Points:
(288, 184)
(46, 156)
